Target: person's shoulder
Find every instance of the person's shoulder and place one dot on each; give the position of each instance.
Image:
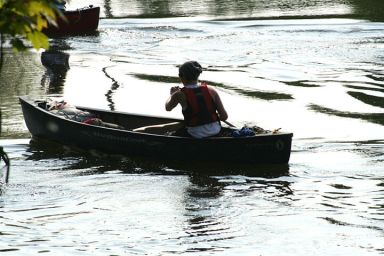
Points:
(206, 85)
(211, 88)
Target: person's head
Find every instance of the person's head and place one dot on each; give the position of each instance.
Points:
(190, 71)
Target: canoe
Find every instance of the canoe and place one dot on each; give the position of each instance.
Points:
(265, 148)
(78, 22)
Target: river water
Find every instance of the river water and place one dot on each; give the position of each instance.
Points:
(314, 68)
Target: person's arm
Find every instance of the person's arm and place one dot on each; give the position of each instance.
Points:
(219, 104)
(174, 99)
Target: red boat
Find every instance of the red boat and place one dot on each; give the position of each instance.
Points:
(78, 22)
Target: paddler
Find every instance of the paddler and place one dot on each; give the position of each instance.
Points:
(201, 105)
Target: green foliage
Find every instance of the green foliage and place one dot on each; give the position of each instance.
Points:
(26, 19)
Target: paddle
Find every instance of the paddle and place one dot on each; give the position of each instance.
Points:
(229, 124)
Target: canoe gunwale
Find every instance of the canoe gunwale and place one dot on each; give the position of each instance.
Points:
(97, 110)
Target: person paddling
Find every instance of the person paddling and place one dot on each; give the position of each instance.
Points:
(201, 105)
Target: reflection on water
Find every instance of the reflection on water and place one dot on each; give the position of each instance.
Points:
(73, 201)
(193, 210)
(4, 168)
(115, 85)
(220, 8)
(40, 149)
(377, 118)
(368, 99)
(322, 79)
(57, 65)
(19, 76)
(366, 9)
(232, 89)
(56, 62)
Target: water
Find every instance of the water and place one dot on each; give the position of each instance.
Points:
(310, 67)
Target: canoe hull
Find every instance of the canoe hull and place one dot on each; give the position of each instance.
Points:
(78, 22)
(268, 148)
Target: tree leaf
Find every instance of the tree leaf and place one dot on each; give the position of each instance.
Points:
(26, 19)
(38, 39)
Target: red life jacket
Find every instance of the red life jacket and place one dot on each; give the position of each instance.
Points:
(201, 109)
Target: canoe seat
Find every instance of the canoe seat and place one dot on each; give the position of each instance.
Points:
(160, 129)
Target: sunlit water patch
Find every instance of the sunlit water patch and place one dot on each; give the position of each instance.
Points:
(61, 199)
(305, 73)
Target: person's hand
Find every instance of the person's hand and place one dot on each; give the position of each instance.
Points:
(175, 89)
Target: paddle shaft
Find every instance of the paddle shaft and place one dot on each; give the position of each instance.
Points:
(228, 123)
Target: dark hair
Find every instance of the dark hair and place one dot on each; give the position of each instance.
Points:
(190, 70)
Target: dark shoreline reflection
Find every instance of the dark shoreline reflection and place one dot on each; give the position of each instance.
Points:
(368, 9)
(290, 9)
(108, 9)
